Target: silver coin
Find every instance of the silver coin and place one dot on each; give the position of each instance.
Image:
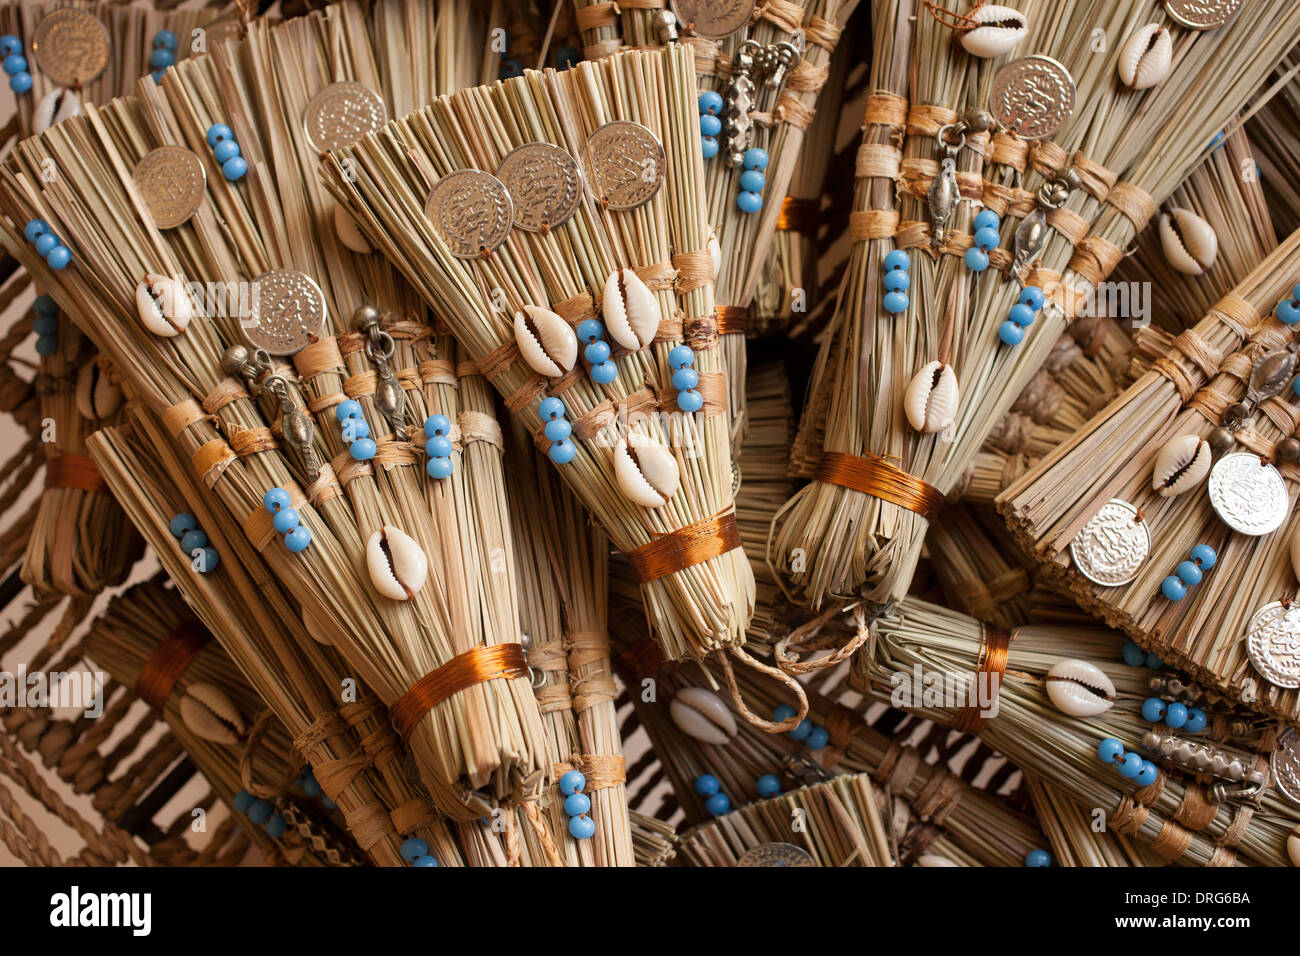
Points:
(171, 182)
(1202, 14)
(1273, 644)
(625, 164)
(776, 854)
(1285, 764)
(71, 46)
(1110, 548)
(545, 185)
(341, 114)
(472, 212)
(1032, 96)
(1248, 494)
(714, 19)
(286, 314)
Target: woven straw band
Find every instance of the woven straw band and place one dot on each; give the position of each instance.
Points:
(601, 770)
(876, 477)
(462, 671)
(994, 646)
(168, 662)
(74, 471)
(799, 215)
(685, 547)
(732, 319)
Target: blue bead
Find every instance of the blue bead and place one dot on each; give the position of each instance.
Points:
(706, 785)
(1146, 774)
(46, 243)
(1176, 716)
(1288, 312)
(165, 40)
(1173, 589)
(234, 169)
(596, 352)
(897, 259)
(438, 447)
(708, 146)
(1204, 555)
(987, 238)
(58, 258)
(1295, 292)
(589, 330)
(802, 731)
(311, 787)
(576, 804)
(46, 325)
(438, 468)
(818, 738)
(976, 260)
(192, 540)
(768, 785)
(242, 801)
(1038, 858)
(718, 804)
(1153, 710)
(1021, 314)
(749, 202)
(572, 782)
(1130, 765)
(355, 429)
(34, 229)
(895, 302)
(1010, 333)
(755, 158)
(1295, 385)
(437, 425)
(157, 76)
(604, 373)
(1188, 572)
(1032, 296)
(1154, 662)
(783, 713)
(753, 181)
(690, 401)
(209, 560)
(896, 281)
(581, 828)
(710, 102)
(424, 861)
(276, 827)
(1215, 143)
(1196, 720)
(298, 539)
(44, 305)
(277, 499)
(550, 408)
(286, 520)
(182, 523)
(363, 449)
(260, 811)
(558, 429)
(710, 125)
(225, 150)
(20, 82)
(413, 847)
(14, 64)
(682, 356)
(217, 132)
(987, 219)
(1109, 750)
(47, 344)
(348, 408)
(10, 44)
(162, 58)
(1133, 655)
(685, 379)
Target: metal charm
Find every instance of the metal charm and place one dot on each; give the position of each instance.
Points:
(389, 397)
(1247, 494)
(286, 312)
(545, 185)
(1202, 14)
(775, 854)
(753, 62)
(942, 196)
(341, 114)
(625, 164)
(170, 180)
(296, 426)
(1032, 97)
(1271, 373)
(472, 212)
(1111, 547)
(806, 770)
(1031, 234)
(714, 19)
(71, 46)
(1220, 762)
(1285, 763)
(1273, 644)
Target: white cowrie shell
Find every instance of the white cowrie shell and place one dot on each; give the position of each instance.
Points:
(210, 714)
(397, 564)
(1188, 241)
(1182, 464)
(931, 399)
(548, 344)
(349, 233)
(1146, 57)
(630, 309)
(933, 859)
(703, 715)
(1080, 689)
(164, 305)
(646, 473)
(999, 30)
(715, 254)
(97, 397)
(54, 107)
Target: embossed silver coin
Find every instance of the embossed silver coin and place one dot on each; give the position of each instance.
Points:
(1248, 494)
(775, 854)
(545, 185)
(471, 210)
(171, 181)
(714, 19)
(625, 164)
(1111, 547)
(287, 312)
(1273, 644)
(70, 46)
(1285, 763)
(1202, 14)
(341, 114)
(1032, 96)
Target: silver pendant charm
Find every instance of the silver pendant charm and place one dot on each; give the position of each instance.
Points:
(737, 103)
(941, 199)
(1273, 644)
(1219, 762)
(389, 397)
(1271, 374)
(1248, 495)
(1110, 548)
(296, 426)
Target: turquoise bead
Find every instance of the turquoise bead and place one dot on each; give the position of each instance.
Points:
(234, 168)
(1146, 774)
(682, 356)
(217, 132)
(437, 425)
(1188, 572)
(1133, 655)
(604, 373)
(690, 401)
(182, 523)
(298, 539)
(58, 258)
(413, 847)
(158, 76)
(260, 811)
(46, 243)
(225, 150)
(706, 785)
(768, 785)
(1153, 710)
(1010, 333)
(208, 560)
(1021, 314)
(1038, 858)
(20, 82)
(355, 429)
(749, 202)
(191, 541)
(1176, 716)
(1110, 750)
(710, 125)
(1196, 720)
(1173, 589)
(161, 58)
(708, 146)
(895, 302)
(286, 520)
(1032, 296)
(363, 449)
(1295, 385)
(44, 305)
(47, 344)
(15, 63)
(986, 238)
(424, 861)
(755, 158)
(783, 713)
(348, 408)
(976, 260)
(718, 804)
(572, 781)
(10, 44)
(1129, 765)
(987, 219)
(1288, 312)
(438, 447)
(709, 101)
(752, 181)
(896, 281)
(897, 259)
(276, 827)
(438, 468)
(589, 330)
(596, 352)
(818, 738)
(46, 325)
(581, 828)
(576, 804)
(276, 500)
(550, 408)
(561, 452)
(242, 801)
(34, 229)
(1204, 555)
(164, 40)
(558, 429)
(803, 730)
(684, 379)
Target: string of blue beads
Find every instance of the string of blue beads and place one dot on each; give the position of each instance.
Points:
(896, 281)
(438, 429)
(46, 325)
(715, 801)
(577, 805)
(48, 245)
(1188, 573)
(1131, 766)
(15, 64)
(812, 736)
(226, 151)
(285, 520)
(1174, 715)
(356, 430)
(416, 852)
(710, 122)
(1288, 310)
(261, 812)
(163, 54)
(1134, 656)
(685, 378)
(557, 430)
(986, 237)
(185, 529)
(752, 180)
(1012, 331)
(1038, 858)
(596, 351)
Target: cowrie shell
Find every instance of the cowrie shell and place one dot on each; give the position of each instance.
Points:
(931, 399)
(630, 309)
(646, 472)
(1000, 29)
(548, 344)
(349, 233)
(164, 305)
(703, 715)
(397, 564)
(210, 714)
(97, 397)
(1146, 57)
(1080, 689)
(54, 107)
(1182, 464)
(933, 859)
(1188, 241)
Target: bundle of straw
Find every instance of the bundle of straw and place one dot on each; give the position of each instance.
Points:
(1075, 839)
(978, 567)
(654, 841)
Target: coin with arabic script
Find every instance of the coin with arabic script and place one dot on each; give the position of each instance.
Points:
(341, 114)
(1273, 644)
(71, 46)
(171, 182)
(1248, 494)
(625, 164)
(545, 185)
(287, 312)
(1032, 97)
(472, 212)
(1285, 763)
(776, 854)
(714, 19)
(1202, 14)
(1111, 547)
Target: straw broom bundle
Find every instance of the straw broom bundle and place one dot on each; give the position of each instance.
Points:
(1176, 816)
(978, 566)
(1074, 841)
(654, 841)
(855, 540)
